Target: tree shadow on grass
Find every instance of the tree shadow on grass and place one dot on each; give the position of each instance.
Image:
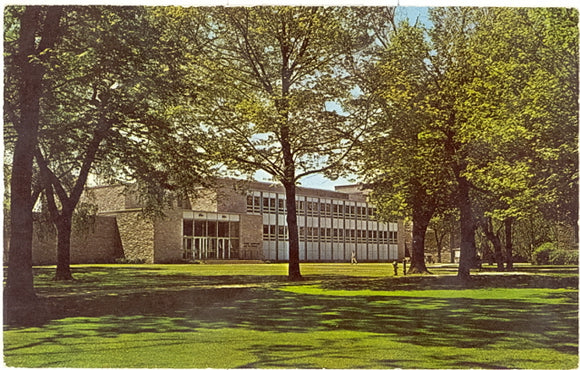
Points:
(97, 280)
(185, 304)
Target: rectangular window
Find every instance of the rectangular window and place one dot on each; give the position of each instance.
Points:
(256, 204)
(300, 207)
(212, 228)
(199, 228)
(223, 229)
(188, 227)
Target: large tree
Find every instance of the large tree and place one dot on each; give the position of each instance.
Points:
(38, 30)
(98, 83)
(487, 94)
(108, 108)
(522, 117)
(282, 96)
(403, 161)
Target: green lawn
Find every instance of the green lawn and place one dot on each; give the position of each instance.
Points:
(340, 316)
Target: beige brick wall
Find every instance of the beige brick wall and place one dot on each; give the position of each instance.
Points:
(204, 200)
(98, 243)
(251, 237)
(403, 235)
(107, 198)
(43, 245)
(169, 237)
(231, 199)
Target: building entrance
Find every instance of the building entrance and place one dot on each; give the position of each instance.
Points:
(207, 239)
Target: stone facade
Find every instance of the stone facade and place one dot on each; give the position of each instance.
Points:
(168, 237)
(137, 235)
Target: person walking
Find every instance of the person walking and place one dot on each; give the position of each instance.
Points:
(353, 260)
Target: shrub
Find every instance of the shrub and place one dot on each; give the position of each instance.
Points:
(564, 257)
(181, 261)
(541, 256)
(550, 254)
(130, 261)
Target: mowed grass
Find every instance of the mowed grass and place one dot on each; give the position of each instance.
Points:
(340, 316)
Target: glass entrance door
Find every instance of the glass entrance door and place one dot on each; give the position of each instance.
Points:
(224, 250)
(208, 239)
(200, 247)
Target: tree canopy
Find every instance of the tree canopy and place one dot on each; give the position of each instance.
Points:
(279, 94)
(481, 99)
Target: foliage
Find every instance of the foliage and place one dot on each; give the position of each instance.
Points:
(135, 261)
(515, 50)
(564, 257)
(278, 94)
(484, 88)
(403, 161)
(551, 254)
(106, 108)
(271, 73)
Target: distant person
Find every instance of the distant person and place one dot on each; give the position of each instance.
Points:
(395, 267)
(353, 260)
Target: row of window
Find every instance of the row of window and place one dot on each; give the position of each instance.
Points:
(273, 232)
(257, 204)
(221, 229)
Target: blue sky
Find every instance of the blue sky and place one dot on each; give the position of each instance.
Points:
(413, 13)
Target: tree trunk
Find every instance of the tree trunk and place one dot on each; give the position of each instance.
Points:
(467, 226)
(509, 244)
(420, 223)
(495, 240)
(19, 282)
(294, 246)
(498, 254)
(64, 228)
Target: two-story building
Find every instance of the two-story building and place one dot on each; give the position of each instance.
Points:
(245, 220)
